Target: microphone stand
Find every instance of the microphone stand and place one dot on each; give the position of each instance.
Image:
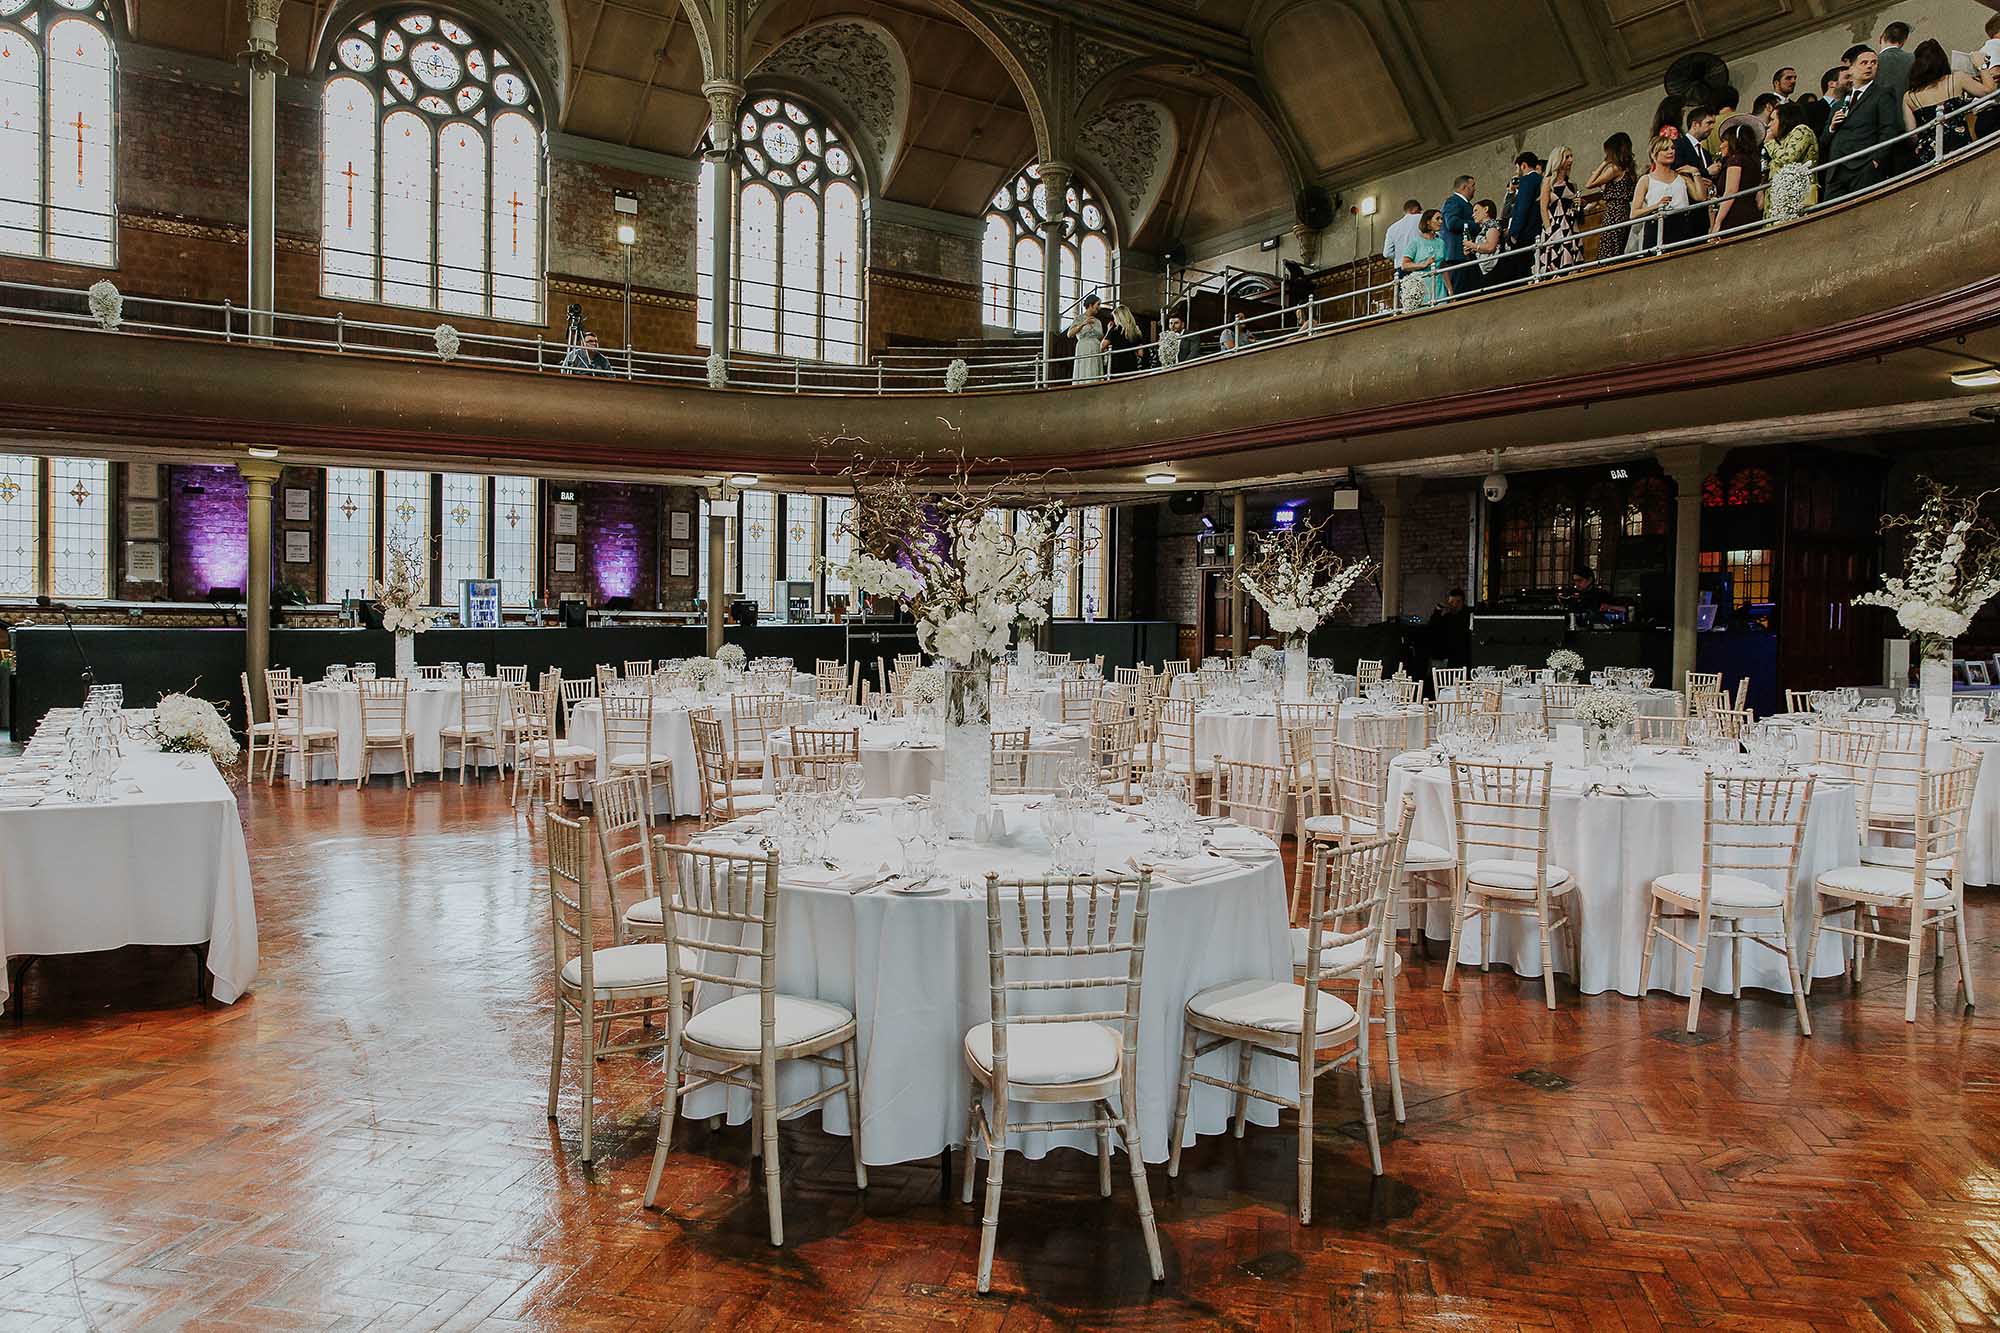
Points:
(76, 640)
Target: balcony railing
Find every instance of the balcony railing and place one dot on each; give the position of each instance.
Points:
(1319, 317)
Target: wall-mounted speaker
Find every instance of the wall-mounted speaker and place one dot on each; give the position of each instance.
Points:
(1185, 502)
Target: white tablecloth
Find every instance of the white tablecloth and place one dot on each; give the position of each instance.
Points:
(1614, 847)
(897, 760)
(165, 864)
(433, 704)
(914, 971)
(672, 736)
(1528, 699)
(1254, 736)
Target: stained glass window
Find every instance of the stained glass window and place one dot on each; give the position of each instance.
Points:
(801, 536)
(1095, 565)
(798, 257)
(56, 78)
(431, 170)
(1011, 257)
(760, 535)
(20, 524)
(79, 527)
(514, 539)
(350, 532)
(406, 515)
(839, 543)
(461, 532)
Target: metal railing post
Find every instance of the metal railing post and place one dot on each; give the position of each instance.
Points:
(228, 320)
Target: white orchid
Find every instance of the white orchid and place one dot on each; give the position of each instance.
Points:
(1950, 570)
(1297, 581)
(183, 724)
(400, 597)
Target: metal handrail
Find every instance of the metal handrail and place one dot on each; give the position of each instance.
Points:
(1309, 319)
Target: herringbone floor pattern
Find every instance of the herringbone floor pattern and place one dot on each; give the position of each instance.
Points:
(360, 1142)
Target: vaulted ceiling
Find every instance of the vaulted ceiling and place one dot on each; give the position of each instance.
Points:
(1337, 90)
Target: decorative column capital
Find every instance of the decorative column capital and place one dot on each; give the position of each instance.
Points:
(1308, 239)
(724, 97)
(263, 53)
(1689, 464)
(261, 473)
(1056, 177)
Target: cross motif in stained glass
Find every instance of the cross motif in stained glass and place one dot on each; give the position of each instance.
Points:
(9, 488)
(405, 510)
(347, 507)
(513, 518)
(798, 533)
(80, 493)
(460, 514)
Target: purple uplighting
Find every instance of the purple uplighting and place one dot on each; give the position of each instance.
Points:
(210, 516)
(615, 561)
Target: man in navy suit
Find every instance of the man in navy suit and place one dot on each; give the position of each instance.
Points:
(1871, 114)
(1524, 224)
(1457, 230)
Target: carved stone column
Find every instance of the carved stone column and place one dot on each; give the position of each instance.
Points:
(1055, 182)
(718, 583)
(264, 69)
(1688, 465)
(261, 474)
(725, 99)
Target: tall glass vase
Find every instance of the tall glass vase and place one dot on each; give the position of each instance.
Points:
(1934, 679)
(964, 792)
(1298, 666)
(406, 656)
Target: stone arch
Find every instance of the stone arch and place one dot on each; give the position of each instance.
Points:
(856, 72)
(1298, 172)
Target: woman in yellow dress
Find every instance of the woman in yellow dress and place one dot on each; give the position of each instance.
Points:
(1793, 143)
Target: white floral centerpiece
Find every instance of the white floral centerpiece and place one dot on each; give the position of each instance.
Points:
(1566, 663)
(1951, 569)
(1263, 654)
(400, 598)
(183, 724)
(926, 685)
(703, 671)
(107, 305)
(956, 374)
(1299, 583)
(731, 657)
(1606, 717)
(928, 536)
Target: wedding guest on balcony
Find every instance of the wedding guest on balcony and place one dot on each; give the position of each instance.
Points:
(1892, 61)
(1235, 337)
(1662, 188)
(1484, 247)
(1784, 83)
(1617, 175)
(1089, 334)
(1832, 87)
(1860, 127)
(1122, 338)
(586, 358)
(1742, 174)
(1398, 237)
(1937, 91)
(1425, 255)
(1457, 211)
(1722, 105)
(1524, 224)
(1190, 342)
(1559, 248)
(1795, 142)
(1689, 150)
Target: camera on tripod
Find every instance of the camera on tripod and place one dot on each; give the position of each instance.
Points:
(575, 335)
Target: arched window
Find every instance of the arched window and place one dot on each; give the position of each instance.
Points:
(798, 258)
(430, 170)
(56, 67)
(1011, 260)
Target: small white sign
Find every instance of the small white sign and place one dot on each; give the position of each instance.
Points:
(298, 547)
(677, 562)
(565, 557)
(142, 481)
(565, 520)
(678, 524)
(298, 505)
(142, 562)
(142, 520)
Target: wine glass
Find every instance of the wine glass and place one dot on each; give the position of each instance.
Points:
(853, 779)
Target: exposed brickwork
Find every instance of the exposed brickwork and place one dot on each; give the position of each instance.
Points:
(926, 309)
(208, 524)
(678, 594)
(617, 543)
(583, 233)
(922, 252)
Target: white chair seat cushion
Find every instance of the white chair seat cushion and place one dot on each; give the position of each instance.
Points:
(1725, 890)
(639, 759)
(460, 729)
(1516, 878)
(1419, 855)
(1881, 882)
(1048, 1053)
(565, 753)
(734, 1023)
(1339, 959)
(1278, 1006)
(741, 787)
(620, 968)
(1341, 826)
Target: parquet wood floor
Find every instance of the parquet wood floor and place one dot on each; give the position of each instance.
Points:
(360, 1142)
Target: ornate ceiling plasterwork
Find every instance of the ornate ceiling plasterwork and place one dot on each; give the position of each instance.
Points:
(1132, 144)
(1031, 42)
(1095, 59)
(540, 25)
(859, 62)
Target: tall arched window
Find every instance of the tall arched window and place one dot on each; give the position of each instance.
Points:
(1011, 259)
(56, 66)
(430, 170)
(798, 259)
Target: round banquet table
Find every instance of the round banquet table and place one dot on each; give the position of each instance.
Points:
(1528, 699)
(1043, 697)
(914, 971)
(433, 704)
(1253, 736)
(1614, 846)
(898, 760)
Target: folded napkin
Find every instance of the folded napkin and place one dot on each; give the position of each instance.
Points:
(814, 875)
(1239, 838)
(1194, 869)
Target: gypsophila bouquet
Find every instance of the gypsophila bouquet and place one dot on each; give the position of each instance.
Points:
(1950, 570)
(400, 597)
(1416, 290)
(1611, 709)
(702, 670)
(967, 564)
(1170, 348)
(1263, 654)
(926, 685)
(956, 374)
(446, 338)
(1791, 186)
(1565, 660)
(1297, 581)
(183, 724)
(731, 655)
(107, 305)
(718, 370)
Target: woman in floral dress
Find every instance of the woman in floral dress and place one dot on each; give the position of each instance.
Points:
(1559, 247)
(1617, 175)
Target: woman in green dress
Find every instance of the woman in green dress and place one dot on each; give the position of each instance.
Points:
(1425, 256)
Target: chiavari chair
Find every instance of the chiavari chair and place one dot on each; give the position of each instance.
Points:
(430, 673)
(835, 684)
(1698, 682)
(1367, 671)
(1447, 678)
(722, 916)
(640, 668)
(1559, 703)
(1079, 699)
(481, 705)
(385, 724)
(629, 746)
(622, 816)
(1441, 715)
(541, 759)
(255, 731)
(1174, 666)
(591, 982)
(1751, 831)
(1930, 888)
(1404, 691)
(1116, 757)
(1391, 732)
(1798, 702)
(1250, 793)
(1651, 729)
(725, 791)
(1298, 1020)
(572, 693)
(607, 680)
(513, 675)
(1501, 812)
(1361, 779)
(1010, 760)
(1073, 936)
(752, 720)
(292, 740)
(1173, 742)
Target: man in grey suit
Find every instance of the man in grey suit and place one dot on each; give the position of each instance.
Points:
(1894, 73)
(1870, 115)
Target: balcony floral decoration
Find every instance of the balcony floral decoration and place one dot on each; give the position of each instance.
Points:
(925, 534)
(718, 370)
(1170, 348)
(1951, 569)
(107, 305)
(956, 374)
(400, 598)
(446, 338)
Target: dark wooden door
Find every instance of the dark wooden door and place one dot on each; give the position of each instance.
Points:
(1830, 557)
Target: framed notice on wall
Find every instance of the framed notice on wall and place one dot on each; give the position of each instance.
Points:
(565, 520)
(298, 547)
(142, 520)
(142, 481)
(298, 504)
(565, 557)
(678, 524)
(142, 562)
(677, 562)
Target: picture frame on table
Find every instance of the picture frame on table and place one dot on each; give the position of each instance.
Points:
(298, 546)
(142, 520)
(677, 563)
(298, 505)
(142, 481)
(143, 563)
(565, 519)
(565, 557)
(679, 524)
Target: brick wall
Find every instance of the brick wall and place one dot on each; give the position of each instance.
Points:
(922, 252)
(617, 543)
(679, 594)
(1437, 545)
(208, 527)
(919, 308)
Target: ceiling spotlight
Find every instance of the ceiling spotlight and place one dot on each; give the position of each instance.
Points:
(262, 451)
(742, 479)
(1980, 377)
(1161, 478)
